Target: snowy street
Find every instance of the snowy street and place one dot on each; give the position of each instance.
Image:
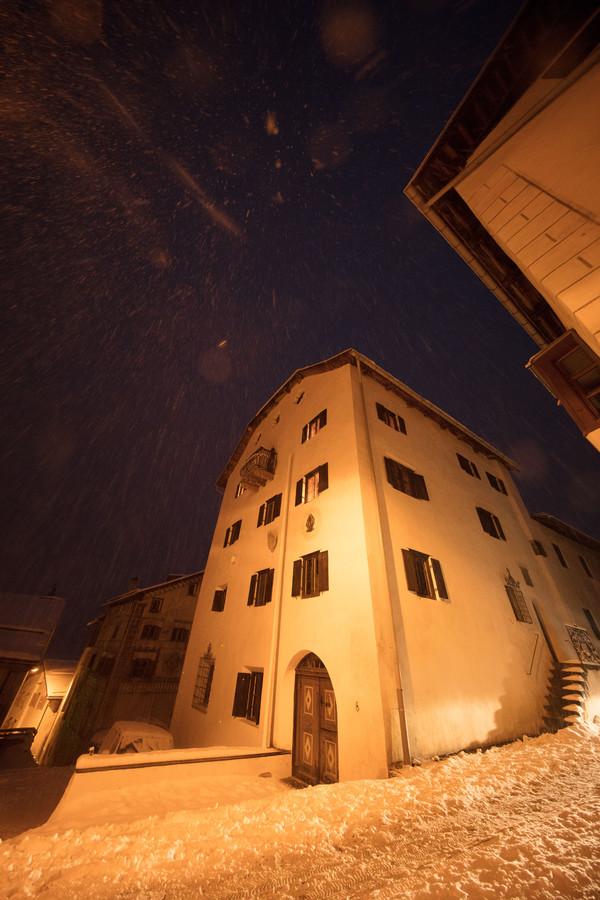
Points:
(520, 821)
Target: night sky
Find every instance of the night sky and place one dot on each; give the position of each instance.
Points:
(198, 198)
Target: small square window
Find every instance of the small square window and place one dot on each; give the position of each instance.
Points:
(261, 588)
(269, 510)
(391, 419)
(155, 605)
(232, 533)
(310, 576)
(218, 604)
(150, 632)
(490, 523)
(313, 484)
(314, 426)
(526, 576)
(424, 575)
(496, 483)
(468, 466)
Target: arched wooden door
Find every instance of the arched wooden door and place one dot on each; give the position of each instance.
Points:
(315, 756)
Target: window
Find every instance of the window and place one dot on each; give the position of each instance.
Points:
(193, 588)
(518, 603)
(232, 533)
(104, 666)
(150, 632)
(155, 605)
(314, 426)
(560, 556)
(248, 691)
(526, 576)
(240, 489)
(142, 667)
(403, 479)
(390, 418)
(313, 484)
(424, 575)
(593, 623)
(311, 575)
(261, 587)
(585, 567)
(496, 483)
(538, 548)
(218, 604)
(468, 466)
(269, 510)
(180, 634)
(490, 523)
(204, 678)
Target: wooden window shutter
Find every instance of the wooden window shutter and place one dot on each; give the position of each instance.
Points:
(254, 697)
(381, 412)
(323, 419)
(412, 581)
(235, 530)
(226, 541)
(419, 487)
(498, 527)
(323, 478)
(475, 471)
(392, 473)
(240, 701)
(252, 591)
(401, 424)
(269, 585)
(304, 433)
(297, 578)
(299, 491)
(323, 571)
(486, 520)
(277, 506)
(439, 578)
(261, 515)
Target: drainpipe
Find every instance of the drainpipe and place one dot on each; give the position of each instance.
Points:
(388, 562)
(276, 631)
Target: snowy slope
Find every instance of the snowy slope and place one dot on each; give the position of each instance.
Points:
(520, 821)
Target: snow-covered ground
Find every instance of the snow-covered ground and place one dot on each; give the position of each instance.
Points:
(520, 821)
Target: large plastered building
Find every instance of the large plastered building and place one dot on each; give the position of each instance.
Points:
(377, 591)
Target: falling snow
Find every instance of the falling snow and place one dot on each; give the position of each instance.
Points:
(198, 200)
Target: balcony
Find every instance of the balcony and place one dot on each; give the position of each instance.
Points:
(259, 468)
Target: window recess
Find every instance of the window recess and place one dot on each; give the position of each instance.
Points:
(269, 510)
(424, 575)
(261, 588)
(559, 556)
(404, 479)
(496, 483)
(490, 523)
(310, 575)
(218, 604)
(248, 692)
(391, 419)
(467, 466)
(517, 600)
(313, 484)
(314, 426)
(538, 548)
(232, 533)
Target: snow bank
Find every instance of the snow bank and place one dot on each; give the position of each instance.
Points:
(520, 821)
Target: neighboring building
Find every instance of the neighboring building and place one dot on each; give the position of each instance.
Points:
(39, 698)
(27, 623)
(131, 667)
(513, 184)
(365, 598)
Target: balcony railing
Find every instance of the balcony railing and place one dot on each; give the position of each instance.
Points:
(259, 468)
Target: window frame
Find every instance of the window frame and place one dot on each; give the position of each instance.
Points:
(247, 698)
(405, 480)
(518, 603)
(232, 534)
(490, 523)
(261, 587)
(203, 682)
(424, 575)
(310, 574)
(560, 556)
(269, 510)
(467, 466)
(155, 605)
(150, 632)
(313, 427)
(145, 671)
(389, 418)
(497, 483)
(179, 634)
(321, 477)
(538, 548)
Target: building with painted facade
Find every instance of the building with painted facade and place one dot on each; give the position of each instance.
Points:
(513, 184)
(377, 591)
(130, 669)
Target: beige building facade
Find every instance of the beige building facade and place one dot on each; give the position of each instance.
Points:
(364, 600)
